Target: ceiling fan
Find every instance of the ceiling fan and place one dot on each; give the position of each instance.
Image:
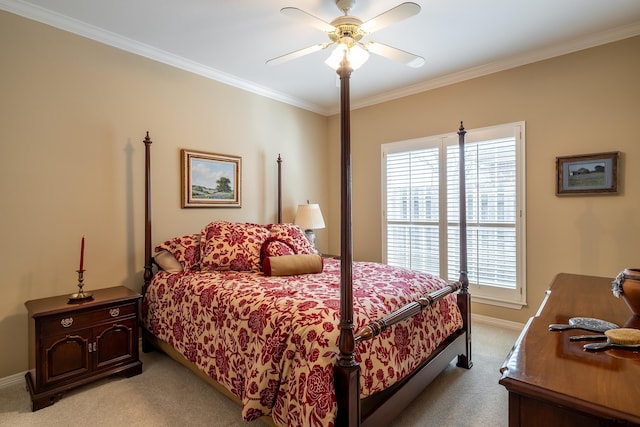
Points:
(346, 32)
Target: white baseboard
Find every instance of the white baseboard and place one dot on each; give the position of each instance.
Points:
(497, 322)
(12, 380)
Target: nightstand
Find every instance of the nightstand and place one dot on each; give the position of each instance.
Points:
(72, 344)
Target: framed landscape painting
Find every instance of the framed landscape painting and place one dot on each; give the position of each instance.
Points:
(587, 174)
(210, 180)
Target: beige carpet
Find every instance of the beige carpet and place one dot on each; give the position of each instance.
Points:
(167, 394)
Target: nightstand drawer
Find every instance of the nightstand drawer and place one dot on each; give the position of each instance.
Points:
(67, 322)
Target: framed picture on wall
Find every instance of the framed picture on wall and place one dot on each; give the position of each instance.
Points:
(210, 180)
(587, 174)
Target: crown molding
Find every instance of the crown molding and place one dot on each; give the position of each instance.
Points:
(590, 41)
(71, 25)
(62, 22)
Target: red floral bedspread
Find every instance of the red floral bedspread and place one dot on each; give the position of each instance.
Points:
(272, 341)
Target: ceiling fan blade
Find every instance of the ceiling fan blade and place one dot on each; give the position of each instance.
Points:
(297, 53)
(391, 16)
(413, 61)
(307, 18)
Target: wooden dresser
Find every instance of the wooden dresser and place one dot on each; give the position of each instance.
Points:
(555, 382)
(71, 344)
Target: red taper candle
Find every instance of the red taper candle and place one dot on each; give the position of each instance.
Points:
(82, 254)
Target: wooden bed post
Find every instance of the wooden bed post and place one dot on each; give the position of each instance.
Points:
(279, 189)
(464, 298)
(347, 370)
(148, 273)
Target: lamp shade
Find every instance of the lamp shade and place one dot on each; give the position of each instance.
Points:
(309, 216)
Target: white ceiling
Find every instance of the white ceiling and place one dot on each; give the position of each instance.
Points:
(230, 40)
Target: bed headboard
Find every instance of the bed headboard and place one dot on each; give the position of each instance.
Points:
(148, 257)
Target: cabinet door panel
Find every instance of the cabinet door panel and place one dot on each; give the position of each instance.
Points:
(115, 343)
(66, 357)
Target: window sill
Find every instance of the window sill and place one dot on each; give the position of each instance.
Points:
(515, 305)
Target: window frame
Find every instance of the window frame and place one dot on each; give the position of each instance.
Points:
(488, 294)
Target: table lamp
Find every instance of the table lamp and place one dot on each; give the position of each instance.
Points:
(309, 218)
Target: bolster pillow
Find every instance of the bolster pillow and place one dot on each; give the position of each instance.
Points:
(289, 265)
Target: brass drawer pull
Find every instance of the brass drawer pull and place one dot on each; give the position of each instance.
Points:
(114, 312)
(67, 322)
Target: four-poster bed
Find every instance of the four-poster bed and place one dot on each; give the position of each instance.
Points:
(356, 338)
(297, 346)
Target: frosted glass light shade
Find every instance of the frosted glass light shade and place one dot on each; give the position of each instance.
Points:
(356, 56)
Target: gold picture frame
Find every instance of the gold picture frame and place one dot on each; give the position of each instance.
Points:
(587, 174)
(210, 180)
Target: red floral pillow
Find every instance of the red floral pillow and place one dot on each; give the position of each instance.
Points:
(274, 247)
(293, 236)
(186, 249)
(232, 246)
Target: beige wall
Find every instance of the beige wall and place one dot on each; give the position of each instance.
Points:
(73, 115)
(74, 112)
(581, 103)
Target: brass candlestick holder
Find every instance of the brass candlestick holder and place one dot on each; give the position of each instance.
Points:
(81, 295)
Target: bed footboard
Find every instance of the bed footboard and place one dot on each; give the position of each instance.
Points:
(376, 327)
(385, 407)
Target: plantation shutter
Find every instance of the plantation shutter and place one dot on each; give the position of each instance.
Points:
(491, 212)
(413, 205)
(421, 223)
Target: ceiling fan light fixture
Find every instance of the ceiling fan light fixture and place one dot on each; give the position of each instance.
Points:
(347, 32)
(356, 56)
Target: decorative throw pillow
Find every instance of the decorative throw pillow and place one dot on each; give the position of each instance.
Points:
(274, 247)
(232, 246)
(186, 249)
(293, 236)
(289, 265)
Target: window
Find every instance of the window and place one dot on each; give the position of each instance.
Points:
(421, 209)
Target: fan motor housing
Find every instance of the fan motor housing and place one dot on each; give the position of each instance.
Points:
(346, 26)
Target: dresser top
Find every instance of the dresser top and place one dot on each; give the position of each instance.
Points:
(545, 363)
(60, 304)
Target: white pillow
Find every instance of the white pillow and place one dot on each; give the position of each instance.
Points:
(167, 262)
